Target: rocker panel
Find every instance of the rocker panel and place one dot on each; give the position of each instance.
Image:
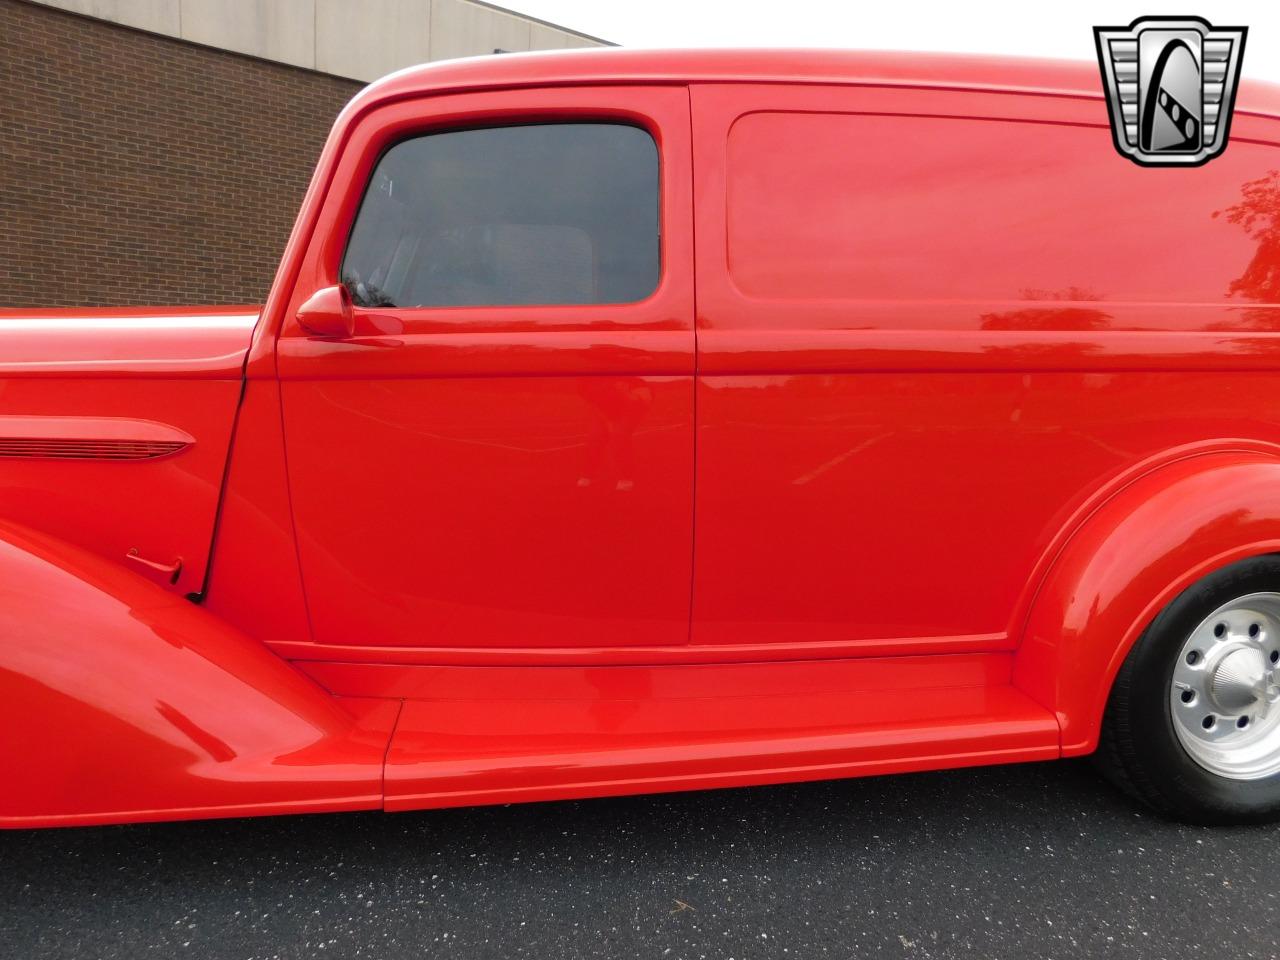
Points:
(448, 753)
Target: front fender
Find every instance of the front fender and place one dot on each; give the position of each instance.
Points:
(1131, 557)
(120, 701)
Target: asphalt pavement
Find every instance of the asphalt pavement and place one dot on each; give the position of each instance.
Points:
(1037, 860)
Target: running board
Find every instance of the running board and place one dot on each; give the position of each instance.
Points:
(610, 731)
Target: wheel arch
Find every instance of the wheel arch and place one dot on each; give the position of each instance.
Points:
(1134, 550)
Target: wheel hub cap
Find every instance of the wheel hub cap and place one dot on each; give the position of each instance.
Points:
(1240, 680)
(1225, 683)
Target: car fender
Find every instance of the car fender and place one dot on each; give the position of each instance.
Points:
(120, 701)
(1125, 561)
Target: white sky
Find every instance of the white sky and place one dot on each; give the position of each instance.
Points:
(1029, 28)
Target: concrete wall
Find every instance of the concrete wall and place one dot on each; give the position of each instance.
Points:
(359, 39)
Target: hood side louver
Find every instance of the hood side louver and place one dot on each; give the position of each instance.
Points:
(88, 438)
(58, 449)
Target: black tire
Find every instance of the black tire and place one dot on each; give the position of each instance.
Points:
(1139, 749)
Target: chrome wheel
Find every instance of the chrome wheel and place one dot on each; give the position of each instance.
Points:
(1225, 694)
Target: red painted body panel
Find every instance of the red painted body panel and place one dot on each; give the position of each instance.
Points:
(123, 376)
(521, 476)
(496, 735)
(1139, 549)
(920, 412)
(888, 474)
(472, 752)
(139, 705)
(443, 683)
(131, 342)
(254, 582)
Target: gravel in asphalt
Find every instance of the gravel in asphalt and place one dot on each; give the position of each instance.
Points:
(1038, 860)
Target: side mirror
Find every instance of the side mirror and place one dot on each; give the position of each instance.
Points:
(328, 313)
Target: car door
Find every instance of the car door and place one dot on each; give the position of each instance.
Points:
(501, 453)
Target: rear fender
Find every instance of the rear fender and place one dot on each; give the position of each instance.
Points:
(1134, 554)
(122, 702)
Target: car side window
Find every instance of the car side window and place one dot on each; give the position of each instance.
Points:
(538, 214)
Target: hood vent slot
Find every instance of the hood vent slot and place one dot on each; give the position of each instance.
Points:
(59, 449)
(88, 438)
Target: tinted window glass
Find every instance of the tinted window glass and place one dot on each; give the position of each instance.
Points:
(540, 214)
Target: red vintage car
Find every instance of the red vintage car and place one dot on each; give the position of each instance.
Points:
(623, 421)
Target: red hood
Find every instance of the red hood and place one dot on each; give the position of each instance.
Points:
(127, 341)
(115, 426)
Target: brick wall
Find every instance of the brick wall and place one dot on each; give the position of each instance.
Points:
(135, 169)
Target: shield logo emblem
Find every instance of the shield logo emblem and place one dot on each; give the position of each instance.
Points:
(1170, 84)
